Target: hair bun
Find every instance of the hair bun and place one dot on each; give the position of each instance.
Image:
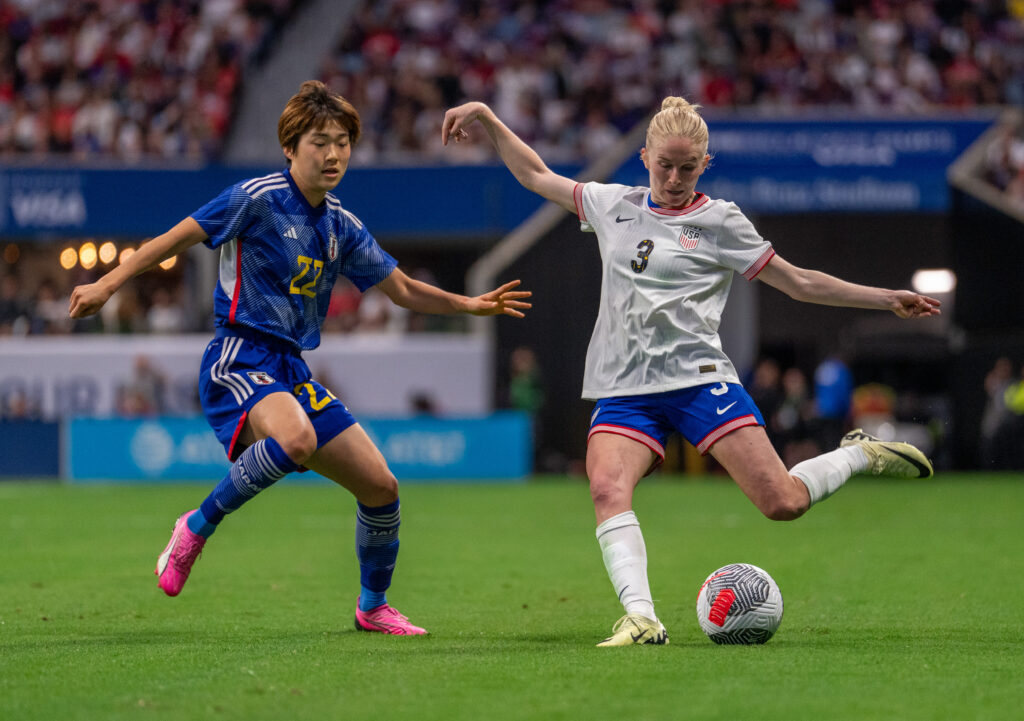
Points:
(674, 101)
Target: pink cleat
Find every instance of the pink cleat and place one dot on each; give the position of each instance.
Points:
(175, 563)
(385, 619)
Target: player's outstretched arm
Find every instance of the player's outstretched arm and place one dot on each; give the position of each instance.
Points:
(425, 298)
(812, 286)
(88, 299)
(520, 158)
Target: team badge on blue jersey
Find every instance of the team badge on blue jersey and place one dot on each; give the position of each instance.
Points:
(332, 246)
(260, 378)
(689, 237)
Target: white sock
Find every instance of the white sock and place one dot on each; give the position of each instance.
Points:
(625, 558)
(825, 474)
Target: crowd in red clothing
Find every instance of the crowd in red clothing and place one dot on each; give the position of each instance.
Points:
(125, 79)
(570, 76)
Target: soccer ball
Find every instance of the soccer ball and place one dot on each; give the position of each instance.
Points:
(739, 604)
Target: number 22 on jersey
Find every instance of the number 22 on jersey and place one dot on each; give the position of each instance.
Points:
(305, 266)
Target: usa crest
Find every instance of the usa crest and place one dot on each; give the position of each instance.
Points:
(332, 246)
(689, 237)
(260, 378)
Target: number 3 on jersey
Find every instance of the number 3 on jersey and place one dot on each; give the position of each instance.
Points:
(307, 289)
(645, 247)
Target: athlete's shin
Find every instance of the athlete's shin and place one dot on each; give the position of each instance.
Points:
(377, 550)
(625, 559)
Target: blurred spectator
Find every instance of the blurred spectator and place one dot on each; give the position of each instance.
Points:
(49, 310)
(833, 392)
(14, 311)
(525, 386)
(601, 65)
(794, 422)
(128, 80)
(765, 388)
(143, 394)
(996, 442)
(165, 314)
(1013, 428)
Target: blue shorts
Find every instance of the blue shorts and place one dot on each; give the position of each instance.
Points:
(702, 414)
(238, 372)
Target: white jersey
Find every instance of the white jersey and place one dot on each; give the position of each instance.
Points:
(665, 279)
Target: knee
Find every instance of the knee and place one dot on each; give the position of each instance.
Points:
(382, 491)
(784, 506)
(299, 444)
(607, 490)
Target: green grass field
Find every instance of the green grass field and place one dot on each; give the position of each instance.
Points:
(904, 600)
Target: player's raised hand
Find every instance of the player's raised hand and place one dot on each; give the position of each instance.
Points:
(457, 119)
(915, 305)
(501, 301)
(87, 300)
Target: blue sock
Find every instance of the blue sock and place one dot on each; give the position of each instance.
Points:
(377, 550)
(259, 467)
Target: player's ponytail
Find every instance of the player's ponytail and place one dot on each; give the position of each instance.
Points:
(678, 118)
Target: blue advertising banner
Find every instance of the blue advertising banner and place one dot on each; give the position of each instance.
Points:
(789, 166)
(418, 202)
(494, 447)
(29, 449)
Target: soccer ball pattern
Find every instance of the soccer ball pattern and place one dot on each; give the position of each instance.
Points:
(739, 604)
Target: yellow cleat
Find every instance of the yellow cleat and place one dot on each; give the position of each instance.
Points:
(634, 628)
(890, 458)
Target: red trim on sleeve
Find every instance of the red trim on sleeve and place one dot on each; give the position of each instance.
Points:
(238, 280)
(758, 265)
(577, 198)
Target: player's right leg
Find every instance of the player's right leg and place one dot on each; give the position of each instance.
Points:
(615, 464)
(277, 437)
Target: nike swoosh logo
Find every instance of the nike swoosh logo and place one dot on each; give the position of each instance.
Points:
(636, 636)
(620, 219)
(922, 470)
(720, 411)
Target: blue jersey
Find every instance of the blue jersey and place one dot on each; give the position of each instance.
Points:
(280, 257)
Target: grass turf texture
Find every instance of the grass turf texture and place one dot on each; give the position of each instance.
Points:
(904, 600)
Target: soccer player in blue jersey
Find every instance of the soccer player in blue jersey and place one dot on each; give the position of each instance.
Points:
(284, 239)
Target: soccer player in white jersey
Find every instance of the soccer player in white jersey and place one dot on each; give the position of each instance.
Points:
(655, 363)
(284, 240)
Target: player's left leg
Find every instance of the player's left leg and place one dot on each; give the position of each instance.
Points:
(351, 460)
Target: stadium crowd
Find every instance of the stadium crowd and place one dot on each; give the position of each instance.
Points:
(109, 79)
(570, 76)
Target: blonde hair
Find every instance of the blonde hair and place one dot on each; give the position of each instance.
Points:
(678, 118)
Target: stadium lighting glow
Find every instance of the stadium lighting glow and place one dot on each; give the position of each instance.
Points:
(108, 251)
(87, 254)
(934, 280)
(125, 254)
(68, 258)
(169, 263)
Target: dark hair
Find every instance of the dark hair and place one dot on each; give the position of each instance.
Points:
(311, 108)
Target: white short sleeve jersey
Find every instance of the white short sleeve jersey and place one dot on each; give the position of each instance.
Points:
(665, 279)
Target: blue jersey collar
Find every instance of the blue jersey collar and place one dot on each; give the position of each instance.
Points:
(317, 210)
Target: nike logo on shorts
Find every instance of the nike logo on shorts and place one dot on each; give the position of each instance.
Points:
(720, 411)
